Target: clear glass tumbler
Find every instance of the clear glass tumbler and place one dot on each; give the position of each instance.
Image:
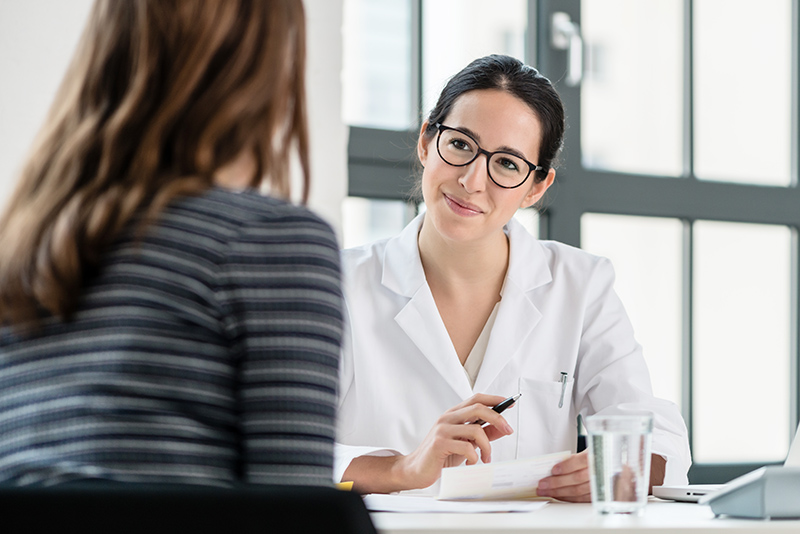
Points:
(619, 462)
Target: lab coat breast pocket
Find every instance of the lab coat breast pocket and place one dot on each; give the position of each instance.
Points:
(544, 426)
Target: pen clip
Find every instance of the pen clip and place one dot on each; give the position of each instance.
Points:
(563, 388)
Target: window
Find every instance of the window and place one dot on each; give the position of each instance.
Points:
(734, 43)
(632, 82)
(741, 333)
(377, 88)
(676, 96)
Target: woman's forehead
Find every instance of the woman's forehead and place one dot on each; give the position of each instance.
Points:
(497, 118)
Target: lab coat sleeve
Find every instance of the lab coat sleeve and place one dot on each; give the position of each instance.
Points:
(344, 454)
(612, 376)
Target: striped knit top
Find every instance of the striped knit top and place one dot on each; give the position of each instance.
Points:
(206, 352)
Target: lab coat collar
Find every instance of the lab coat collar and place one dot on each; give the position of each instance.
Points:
(517, 315)
(402, 266)
(419, 318)
(527, 264)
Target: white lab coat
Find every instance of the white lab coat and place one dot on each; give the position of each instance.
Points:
(558, 313)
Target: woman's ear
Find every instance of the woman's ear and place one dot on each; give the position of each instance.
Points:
(422, 144)
(538, 190)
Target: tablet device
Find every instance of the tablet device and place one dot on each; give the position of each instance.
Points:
(793, 458)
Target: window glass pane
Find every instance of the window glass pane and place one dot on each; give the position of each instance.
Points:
(365, 220)
(632, 90)
(741, 367)
(457, 31)
(646, 253)
(376, 76)
(742, 81)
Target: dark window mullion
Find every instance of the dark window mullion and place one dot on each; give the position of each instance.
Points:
(687, 300)
(687, 374)
(416, 62)
(688, 89)
(795, 98)
(532, 56)
(794, 347)
(562, 208)
(794, 327)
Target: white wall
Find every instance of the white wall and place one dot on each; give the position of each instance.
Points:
(329, 135)
(37, 38)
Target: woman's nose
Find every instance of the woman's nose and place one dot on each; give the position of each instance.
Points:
(475, 176)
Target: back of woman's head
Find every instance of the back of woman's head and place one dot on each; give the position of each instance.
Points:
(509, 74)
(159, 96)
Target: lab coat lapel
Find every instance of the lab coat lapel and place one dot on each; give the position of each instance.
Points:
(421, 322)
(517, 315)
(419, 318)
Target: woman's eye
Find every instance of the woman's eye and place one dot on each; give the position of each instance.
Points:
(508, 164)
(460, 145)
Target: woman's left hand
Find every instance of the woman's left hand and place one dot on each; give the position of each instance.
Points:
(569, 480)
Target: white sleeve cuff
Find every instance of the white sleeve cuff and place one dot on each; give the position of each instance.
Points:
(344, 454)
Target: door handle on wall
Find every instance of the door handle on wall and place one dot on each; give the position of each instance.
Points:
(566, 35)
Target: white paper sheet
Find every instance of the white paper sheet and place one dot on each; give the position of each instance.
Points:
(497, 480)
(398, 502)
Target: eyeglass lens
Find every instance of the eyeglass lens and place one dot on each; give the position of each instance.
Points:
(457, 148)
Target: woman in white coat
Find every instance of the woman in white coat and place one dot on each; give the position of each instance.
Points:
(465, 308)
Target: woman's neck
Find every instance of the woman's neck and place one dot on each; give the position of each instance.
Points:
(456, 266)
(238, 174)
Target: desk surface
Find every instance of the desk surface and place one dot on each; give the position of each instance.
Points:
(660, 517)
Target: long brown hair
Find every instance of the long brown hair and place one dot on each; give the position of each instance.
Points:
(159, 95)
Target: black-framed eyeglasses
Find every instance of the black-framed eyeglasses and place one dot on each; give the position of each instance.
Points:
(505, 169)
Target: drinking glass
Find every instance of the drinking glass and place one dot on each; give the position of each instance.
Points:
(619, 462)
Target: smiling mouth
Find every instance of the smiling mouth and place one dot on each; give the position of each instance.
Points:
(462, 208)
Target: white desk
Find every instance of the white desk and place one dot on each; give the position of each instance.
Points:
(660, 517)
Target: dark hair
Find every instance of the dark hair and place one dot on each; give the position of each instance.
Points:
(523, 81)
(159, 96)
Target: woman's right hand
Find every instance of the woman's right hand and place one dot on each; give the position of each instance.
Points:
(452, 440)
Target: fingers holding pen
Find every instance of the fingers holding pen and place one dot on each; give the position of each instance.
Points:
(464, 440)
(484, 410)
(455, 438)
(479, 398)
(447, 444)
(480, 416)
(451, 435)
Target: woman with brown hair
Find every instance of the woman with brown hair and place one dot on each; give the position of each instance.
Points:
(160, 320)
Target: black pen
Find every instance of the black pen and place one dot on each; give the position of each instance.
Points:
(500, 408)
